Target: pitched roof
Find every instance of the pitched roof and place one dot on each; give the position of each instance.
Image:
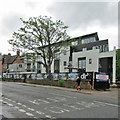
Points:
(9, 59)
(73, 39)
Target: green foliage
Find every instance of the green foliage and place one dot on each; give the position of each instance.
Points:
(118, 63)
(40, 35)
(61, 83)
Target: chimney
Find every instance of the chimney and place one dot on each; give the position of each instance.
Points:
(9, 54)
(18, 53)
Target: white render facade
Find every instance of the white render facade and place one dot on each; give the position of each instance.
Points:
(92, 56)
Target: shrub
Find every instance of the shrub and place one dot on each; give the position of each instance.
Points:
(61, 83)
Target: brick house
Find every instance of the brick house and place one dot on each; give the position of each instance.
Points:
(13, 63)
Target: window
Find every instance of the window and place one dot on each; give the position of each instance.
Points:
(20, 65)
(92, 39)
(90, 61)
(65, 63)
(101, 48)
(75, 43)
(56, 66)
(28, 65)
(57, 55)
(64, 52)
(82, 63)
(105, 48)
(95, 47)
(84, 49)
(88, 40)
(38, 65)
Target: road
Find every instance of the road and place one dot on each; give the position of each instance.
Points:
(21, 101)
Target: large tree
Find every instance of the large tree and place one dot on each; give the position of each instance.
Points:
(118, 63)
(42, 36)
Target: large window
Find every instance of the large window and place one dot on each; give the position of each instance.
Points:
(57, 55)
(88, 40)
(28, 67)
(82, 63)
(90, 61)
(65, 63)
(38, 67)
(74, 43)
(56, 66)
(64, 52)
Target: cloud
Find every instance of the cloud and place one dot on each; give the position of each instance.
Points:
(10, 23)
(83, 14)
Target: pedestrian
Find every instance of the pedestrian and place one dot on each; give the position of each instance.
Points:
(24, 79)
(78, 83)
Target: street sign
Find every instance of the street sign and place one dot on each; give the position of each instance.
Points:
(101, 81)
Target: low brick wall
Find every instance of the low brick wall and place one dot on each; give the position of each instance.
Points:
(68, 83)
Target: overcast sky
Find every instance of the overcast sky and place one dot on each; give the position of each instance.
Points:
(81, 17)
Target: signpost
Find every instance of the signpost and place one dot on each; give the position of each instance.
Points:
(101, 81)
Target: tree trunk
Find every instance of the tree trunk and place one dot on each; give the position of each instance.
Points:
(48, 71)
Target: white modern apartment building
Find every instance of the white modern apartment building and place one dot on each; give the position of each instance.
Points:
(86, 53)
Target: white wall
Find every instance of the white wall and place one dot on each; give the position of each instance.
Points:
(64, 58)
(94, 55)
(91, 54)
(15, 67)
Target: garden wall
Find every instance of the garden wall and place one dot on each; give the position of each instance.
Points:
(64, 83)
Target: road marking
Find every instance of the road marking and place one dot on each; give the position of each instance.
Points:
(48, 116)
(29, 114)
(31, 109)
(107, 104)
(21, 110)
(43, 101)
(5, 102)
(56, 109)
(54, 100)
(41, 113)
(16, 107)
(1, 100)
(6, 98)
(36, 103)
(88, 105)
(24, 105)
(9, 99)
(63, 109)
(57, 99)
(74, 107)
(62, 95)
(19, 103)
(10, 105)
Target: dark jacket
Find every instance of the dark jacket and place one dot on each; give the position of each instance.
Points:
(78, 81)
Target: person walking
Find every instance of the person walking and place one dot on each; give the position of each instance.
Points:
(24, 79)
(78, 83)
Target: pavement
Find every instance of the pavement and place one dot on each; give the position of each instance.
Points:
(111, 93)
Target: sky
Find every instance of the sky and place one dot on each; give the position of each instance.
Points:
(82, 16)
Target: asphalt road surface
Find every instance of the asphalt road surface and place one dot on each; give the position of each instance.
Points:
(21, 101)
